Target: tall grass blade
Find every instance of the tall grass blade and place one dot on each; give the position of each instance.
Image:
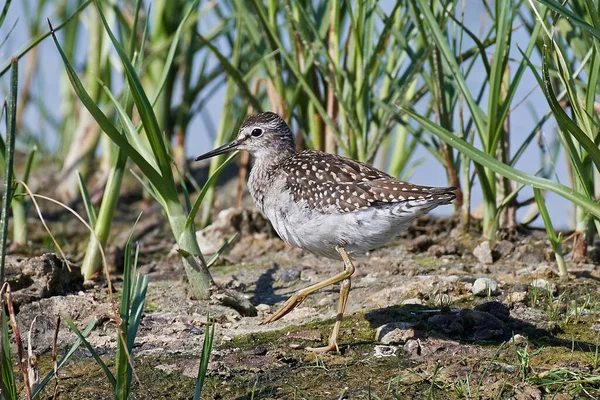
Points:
(9, 387)
(209, 334)
(209, 184)
(105, 124)
(144, 107)
(555, 239)
(73, 327)
(87, 201)
(11, 118)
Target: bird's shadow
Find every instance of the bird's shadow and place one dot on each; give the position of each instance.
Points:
(264, 292)
(466, 324)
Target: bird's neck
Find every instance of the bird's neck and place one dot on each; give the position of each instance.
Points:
(264, 171)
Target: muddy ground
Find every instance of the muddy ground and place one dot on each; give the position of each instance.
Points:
(420, 323)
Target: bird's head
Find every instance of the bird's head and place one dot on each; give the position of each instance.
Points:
(263, 135)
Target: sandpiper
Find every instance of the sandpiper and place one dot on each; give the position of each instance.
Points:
(324, 203)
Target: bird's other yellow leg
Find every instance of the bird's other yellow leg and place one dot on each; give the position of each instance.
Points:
(344, 291)
(301, 295)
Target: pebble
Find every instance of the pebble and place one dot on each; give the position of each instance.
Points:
(504, 248)
(544, 284)
(289, 275)
(519, 339)
(516, 297)
(413, 300)
(385, 351)
(483, 253)
(396, 332)
(413, 347)
(263, 307)
(483, 286)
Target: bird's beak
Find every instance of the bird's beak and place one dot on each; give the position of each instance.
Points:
(220, 150)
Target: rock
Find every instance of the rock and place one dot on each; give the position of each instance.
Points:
(519, 339)
(412, 301)
(544, 284)
(413, 348)
(82, 309)
(263, 307)
(504, 248)
(516, 297)
(483, 253)
(519, 287)
(33, 279)
(528, 254)
(484, 286)
(397, 333)
(534, 316)
(289, 275)
(384, 351)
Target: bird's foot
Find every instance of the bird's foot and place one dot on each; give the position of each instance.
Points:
(332, 346)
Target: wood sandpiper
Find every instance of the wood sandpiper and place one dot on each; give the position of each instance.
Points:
(329, 205)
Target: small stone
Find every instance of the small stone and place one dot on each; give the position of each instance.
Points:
(483, 253)
(528, 254)
(413, 347)
(484, 286)
(289, 275)
(369, 279)
(397, 333)
(519, 339)
(516, 297)
(412, 301)
(544, 284)
(327, 301)
(519, 287)
(385, 351)
(504, 248)
(263, 307)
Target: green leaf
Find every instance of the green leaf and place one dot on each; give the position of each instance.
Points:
(209, 183)
(149, 121)
(105, 124)
(571, 16)
(209, 334)
(87, 201)
(73, 327)
(9, 387)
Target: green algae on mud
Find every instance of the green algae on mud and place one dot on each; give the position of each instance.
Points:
(83, 379)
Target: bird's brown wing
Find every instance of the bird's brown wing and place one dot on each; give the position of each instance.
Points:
(324, 180)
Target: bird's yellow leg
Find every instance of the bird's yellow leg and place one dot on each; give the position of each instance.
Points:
(301, 295)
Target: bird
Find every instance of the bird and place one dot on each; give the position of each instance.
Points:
(330, 205)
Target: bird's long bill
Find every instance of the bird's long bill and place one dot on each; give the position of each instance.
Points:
(219, 150)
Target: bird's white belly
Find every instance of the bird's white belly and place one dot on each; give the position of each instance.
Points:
(321, 233)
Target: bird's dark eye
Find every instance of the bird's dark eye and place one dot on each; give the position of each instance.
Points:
(256, 132)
